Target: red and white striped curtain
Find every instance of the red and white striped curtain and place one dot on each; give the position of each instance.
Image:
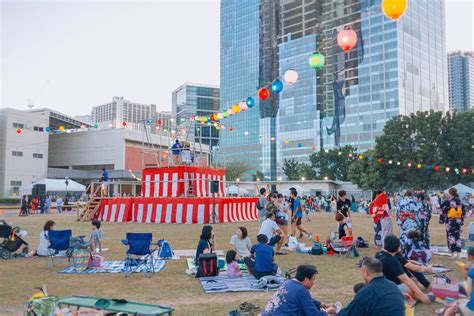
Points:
(177, 181)
(178, 210)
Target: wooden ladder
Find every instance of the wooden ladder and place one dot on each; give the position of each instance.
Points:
(89, 210)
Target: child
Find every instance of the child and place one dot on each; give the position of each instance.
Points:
(96, 237)
(233, 269)
(343, 229)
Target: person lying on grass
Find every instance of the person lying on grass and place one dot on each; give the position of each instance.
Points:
(260, 263)
(393, 270)
(294, 298)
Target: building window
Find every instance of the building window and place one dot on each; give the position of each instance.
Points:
(35, 155)
(18, 125)
(17, 153)
(15, 183)
(38, 129)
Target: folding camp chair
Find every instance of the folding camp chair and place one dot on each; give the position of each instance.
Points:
(139, 253)
(344, 246)
(58, 244)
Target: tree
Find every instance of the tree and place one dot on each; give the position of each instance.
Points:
(235, 170)
(291, 168)
(258, 175)
(406, 155)
(307, 171)
(333, 163)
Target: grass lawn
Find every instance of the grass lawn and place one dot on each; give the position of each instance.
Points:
(171, 286)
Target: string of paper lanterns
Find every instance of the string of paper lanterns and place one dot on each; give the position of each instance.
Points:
(410, 164)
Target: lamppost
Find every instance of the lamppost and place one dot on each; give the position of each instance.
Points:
(238, 187)
(66, 182)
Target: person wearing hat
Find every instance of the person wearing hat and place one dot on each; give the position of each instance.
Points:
(273, 232)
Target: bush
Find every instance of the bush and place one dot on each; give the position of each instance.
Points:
(9, 201)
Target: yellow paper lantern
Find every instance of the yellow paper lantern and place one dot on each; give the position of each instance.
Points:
(61, 128)
(286, 142)
(236, 108)
(394, 9)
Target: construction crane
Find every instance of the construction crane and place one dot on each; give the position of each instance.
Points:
(31, 104)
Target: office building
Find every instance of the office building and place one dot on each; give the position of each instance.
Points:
(396, 68)
(23, 149)
(189, 100)
(461, 80)
(239, 78)
(123, 113)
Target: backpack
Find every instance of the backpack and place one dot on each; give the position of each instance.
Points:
(207, 265)
(317, 249)
(259, 206)
(165, 251)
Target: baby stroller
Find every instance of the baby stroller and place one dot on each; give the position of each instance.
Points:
(12, 240)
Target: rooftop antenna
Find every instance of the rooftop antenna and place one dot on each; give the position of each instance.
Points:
(31, 104)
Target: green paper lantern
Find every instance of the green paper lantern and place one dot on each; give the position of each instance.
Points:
(96, 125)
(225, 114)
(316, 61)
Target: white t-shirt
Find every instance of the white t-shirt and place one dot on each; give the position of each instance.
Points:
(241, 246)
(268, 227)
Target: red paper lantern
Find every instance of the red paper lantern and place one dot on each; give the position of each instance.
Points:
(463, 170)
(158, 122)
(231, 128)
(19, 130)
(409, 165)
(124, 123)
(313, 148)
(347, 39)
(350, 155)
(379, 160)
(263, 93)
(436, 168)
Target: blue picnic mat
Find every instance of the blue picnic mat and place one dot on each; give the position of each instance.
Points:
(221, 284)
(114, 267)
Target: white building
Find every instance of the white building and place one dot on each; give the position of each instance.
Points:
(120, 111)
(23, 149)
(117, 149)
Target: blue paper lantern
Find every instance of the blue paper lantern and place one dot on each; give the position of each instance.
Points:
(148, 123)
(47, 129)
(277, 86)
(300, 145)
(250, 102)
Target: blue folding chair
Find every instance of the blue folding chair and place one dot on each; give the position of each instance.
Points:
(139, 254)
(58, 244)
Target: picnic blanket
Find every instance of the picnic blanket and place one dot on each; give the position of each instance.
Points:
(444, 251)
(113, 267)
(192, 252)
(221, 284)
(221, 262)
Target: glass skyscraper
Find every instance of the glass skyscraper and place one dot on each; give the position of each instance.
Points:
(239, 80)
(461, 80)
(298, 121)
(192, 99)
(397, 68)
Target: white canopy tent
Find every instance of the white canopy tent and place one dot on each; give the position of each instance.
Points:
(462, 189)
(301, 190)
(233, 189)
(54, 185)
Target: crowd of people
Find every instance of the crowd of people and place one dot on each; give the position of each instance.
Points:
(41, 204)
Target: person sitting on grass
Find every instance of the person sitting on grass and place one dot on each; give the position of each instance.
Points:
(260, 263)
(273, 232)
(393, 270)
(345, 231)
(294, 298)
(466, 306)
(43, 245)
(95, 242)
(206, 243)
(241, 243)
(233, 269)
(415, 270)
(378, 296)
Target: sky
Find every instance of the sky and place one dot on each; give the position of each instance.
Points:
(71, 55)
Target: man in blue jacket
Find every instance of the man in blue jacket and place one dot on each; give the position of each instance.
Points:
(378, 297)
(293, 297)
